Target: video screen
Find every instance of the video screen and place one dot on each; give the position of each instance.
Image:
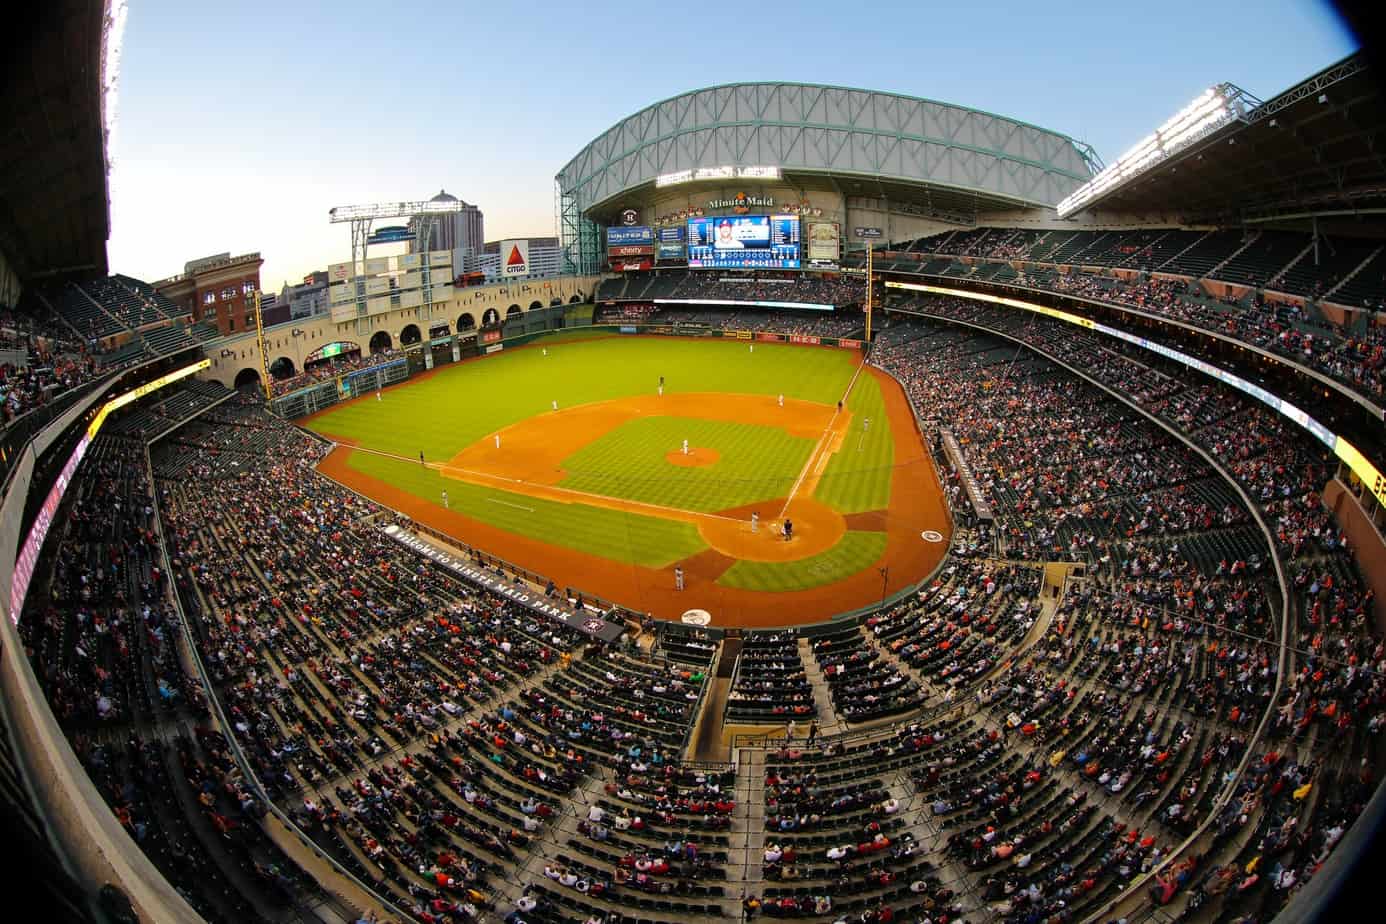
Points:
(744, 242)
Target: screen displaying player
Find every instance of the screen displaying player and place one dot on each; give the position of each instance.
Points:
(744, 241)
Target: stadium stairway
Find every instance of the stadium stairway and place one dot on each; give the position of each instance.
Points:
(706, 744)
(828, 721)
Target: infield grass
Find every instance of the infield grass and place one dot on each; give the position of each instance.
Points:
(757, 463)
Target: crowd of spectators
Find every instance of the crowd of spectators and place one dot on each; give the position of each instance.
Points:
(1207, 618)
(328, 369)
(1354, 355)
(839, 323)
(430, 736)
(54, 362)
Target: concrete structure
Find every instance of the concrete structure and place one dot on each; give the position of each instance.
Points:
(461, 309)
(217, 289)
(857, 157)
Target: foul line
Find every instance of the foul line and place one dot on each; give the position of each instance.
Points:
(483, 479)
(508, 504)
(818, 447)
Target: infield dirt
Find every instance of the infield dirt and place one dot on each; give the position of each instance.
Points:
(529, 459)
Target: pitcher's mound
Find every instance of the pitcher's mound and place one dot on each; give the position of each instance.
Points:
(697, 457)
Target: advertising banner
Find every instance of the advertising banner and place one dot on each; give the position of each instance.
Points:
(667, 252)
(631, 250)
(339, 272)
(671, 235)
(619, 236)
(768, 337)
(514, 258)
(849, 344)
(804, 338)
(490, 336)
(824, 241)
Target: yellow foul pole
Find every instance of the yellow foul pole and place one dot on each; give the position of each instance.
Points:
(260, 336)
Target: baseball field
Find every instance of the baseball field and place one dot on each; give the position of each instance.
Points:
(614, 464)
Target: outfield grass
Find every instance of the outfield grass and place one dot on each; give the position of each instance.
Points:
(857, 549)
(757, 463)
(460, 404)
(857, 478)
(621, 537)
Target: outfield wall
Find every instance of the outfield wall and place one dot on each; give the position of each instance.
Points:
(425, 357)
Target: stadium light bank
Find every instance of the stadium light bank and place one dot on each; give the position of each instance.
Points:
(1214, 108)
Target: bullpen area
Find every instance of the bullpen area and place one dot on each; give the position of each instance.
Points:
(623, 466)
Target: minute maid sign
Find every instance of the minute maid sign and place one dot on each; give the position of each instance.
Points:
(742, 203)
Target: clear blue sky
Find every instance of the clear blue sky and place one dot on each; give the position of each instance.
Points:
(241, 124)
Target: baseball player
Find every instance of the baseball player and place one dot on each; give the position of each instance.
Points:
(755, 521)
(685, 447)
(678, 578)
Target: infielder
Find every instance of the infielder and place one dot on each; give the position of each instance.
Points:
(685, 447)
(555, 404)
(678, 578)
(781, 400)
(755, 521)
(445, 498)
(498, 441)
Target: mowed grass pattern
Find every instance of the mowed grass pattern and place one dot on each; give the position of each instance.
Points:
(857, 478)
(621, 537)
(460, 404)
(756, 463)
(857, 550)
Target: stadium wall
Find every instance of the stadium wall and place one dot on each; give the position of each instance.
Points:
(296, 340)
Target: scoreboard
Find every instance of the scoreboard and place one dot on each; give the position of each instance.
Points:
(744, 242)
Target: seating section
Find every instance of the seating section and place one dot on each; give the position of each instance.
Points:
(770, 683)
(1031, 735)
(1261, 259)
(731, 287)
